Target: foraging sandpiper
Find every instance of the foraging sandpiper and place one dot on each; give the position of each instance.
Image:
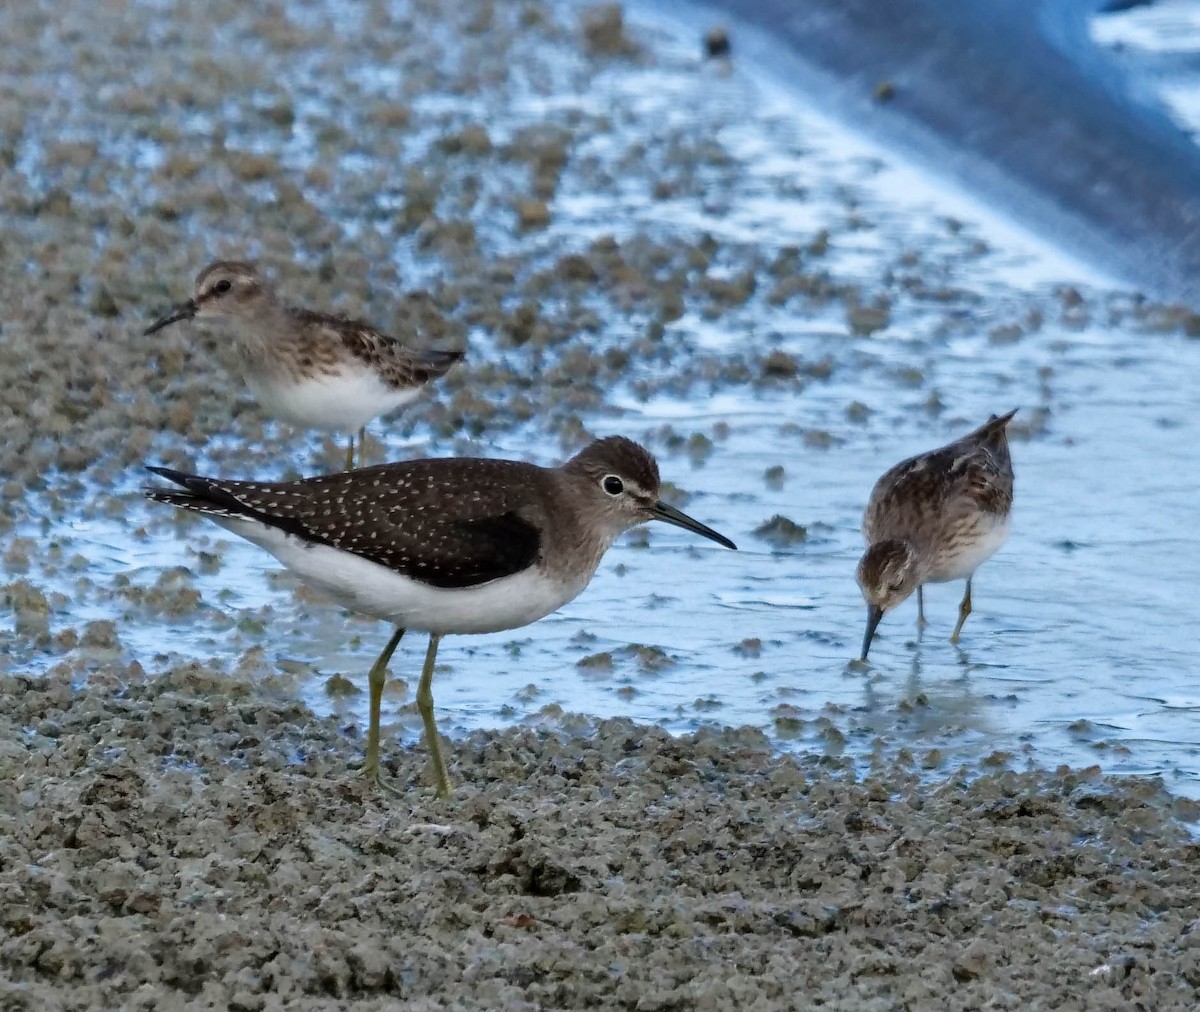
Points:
(936, 517)
(466, 545)
(310, 369)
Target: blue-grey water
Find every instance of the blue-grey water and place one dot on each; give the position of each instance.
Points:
(1065, 112)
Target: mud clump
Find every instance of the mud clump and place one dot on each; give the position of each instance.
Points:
(781, 533)
(716, 42)
(189, 838)
(604, 30)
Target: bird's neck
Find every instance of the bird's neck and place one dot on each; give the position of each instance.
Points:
(575, 540)
(576, 557)
(261, 331)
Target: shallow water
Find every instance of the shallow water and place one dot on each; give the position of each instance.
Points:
(1079, 649)
(1158, 44)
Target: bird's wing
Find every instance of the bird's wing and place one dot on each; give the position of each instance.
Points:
(913, 497)
(982, 481)
(447, 523)
(399, 365)
(904, 496)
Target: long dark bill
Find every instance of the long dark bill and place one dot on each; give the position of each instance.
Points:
(670, 515)
(874, 614)
(184, 311)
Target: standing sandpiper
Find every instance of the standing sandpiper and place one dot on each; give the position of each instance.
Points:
(936, 517)
(465, 545)
(310, 369)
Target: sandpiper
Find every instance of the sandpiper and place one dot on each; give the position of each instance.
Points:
(311, 369)
(935, 517)
(466, 545)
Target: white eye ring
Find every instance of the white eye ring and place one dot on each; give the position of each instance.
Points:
(613, 485)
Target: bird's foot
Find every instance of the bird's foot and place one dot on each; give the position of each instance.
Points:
(375, 777)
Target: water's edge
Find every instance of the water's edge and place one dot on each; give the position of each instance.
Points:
(1015, 102)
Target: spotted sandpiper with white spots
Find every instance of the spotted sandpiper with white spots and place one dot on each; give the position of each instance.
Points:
(311, 369)
(443, 546)
(936, 517)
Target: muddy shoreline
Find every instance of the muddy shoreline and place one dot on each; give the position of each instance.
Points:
(179, 830)
(186, 840)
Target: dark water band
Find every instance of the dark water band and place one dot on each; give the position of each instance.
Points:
(1013, 99)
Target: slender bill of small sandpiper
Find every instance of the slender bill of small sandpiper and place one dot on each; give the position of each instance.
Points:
(443, 546)
(935, 517)
(310, 369)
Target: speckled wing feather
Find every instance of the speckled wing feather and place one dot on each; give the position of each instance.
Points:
(393, 514)
(396, 363)
(973, 473)
(988, 486)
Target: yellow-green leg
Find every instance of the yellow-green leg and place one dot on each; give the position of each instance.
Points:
(920, 608)
(362, 447)
(425, 704)
(964, 610)
(350, 453)
(375, 682)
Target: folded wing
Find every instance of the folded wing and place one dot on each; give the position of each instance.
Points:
(388, 515)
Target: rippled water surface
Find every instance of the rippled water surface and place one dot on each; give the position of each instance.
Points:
(1081, 648)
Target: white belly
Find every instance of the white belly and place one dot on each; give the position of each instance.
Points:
(371, 589)
(338, 403)
(993, 533)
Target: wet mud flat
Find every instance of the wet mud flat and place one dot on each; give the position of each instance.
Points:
(178, 834)
(188, 842)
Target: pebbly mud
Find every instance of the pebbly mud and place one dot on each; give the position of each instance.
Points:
(580, 204)
(185, 842)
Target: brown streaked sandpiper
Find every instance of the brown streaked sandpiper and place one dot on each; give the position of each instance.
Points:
(449, 546)
(310, 369)
(936, 517)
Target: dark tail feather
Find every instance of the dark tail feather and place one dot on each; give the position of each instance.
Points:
(992, 431)
(172, 497)
(432, 362)
(178, 477)
(205, 495)
(992, 435)
(202, 494)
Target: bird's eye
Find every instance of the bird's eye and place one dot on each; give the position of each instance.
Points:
(895, 587)
(613, 485)
(222, 286)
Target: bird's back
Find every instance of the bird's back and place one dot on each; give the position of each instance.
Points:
(332, 342)
(446, 522)
(919, 498)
